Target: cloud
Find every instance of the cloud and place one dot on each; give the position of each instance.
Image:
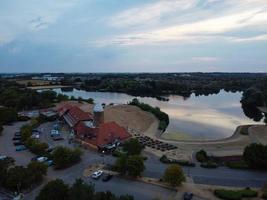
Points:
(250, 39)
(240, 16)
(149, 13)
(23, 18)
(206, 59)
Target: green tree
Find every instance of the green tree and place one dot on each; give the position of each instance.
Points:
(81, 191)
(135, 165)
(132, 147)
(121, 164)
(37, 170)
(174, 175)
(255, 155)
(64, 157)
(7, 115)
(54, 190)
(17, 178)
(5, 164)
(90, 101)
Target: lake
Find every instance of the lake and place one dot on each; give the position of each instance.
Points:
(203, 117)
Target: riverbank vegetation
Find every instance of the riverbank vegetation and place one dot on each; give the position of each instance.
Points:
(162, 117)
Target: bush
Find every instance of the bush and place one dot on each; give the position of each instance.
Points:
(202, 156)
(241, 164)
(174, 175)
(255, 156)
(166, 160)
(235, 194)
(132, 147)
(209, 164)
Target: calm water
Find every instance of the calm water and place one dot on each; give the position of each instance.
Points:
(204, 117)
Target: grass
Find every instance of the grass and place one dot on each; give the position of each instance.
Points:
(239, 164)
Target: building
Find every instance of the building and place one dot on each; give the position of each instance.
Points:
(91, 130)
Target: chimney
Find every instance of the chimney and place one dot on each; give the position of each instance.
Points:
(98, 115)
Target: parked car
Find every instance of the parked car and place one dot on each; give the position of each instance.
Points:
(107, 177)
(35, 158)
(50, 149)
(21, 148)
(17, 134)
(35, 136)
(58, 137)
(54, 133)
(18, 143)
(16, 138)
(3, 157)
(42, 159)
(49, 162)
(97, 174)
(188, 196)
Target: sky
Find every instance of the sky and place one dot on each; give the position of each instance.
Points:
(133, 36)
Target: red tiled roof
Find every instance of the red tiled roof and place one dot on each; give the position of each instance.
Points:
(105, 134)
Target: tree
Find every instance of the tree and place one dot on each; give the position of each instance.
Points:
(54, 190)
(64, 157)
(17, 178)
(174, 175)
(132, 147)
(37, 170)
(5, 164)
(135, 165)
(255, 155)
(81, 191)
(90, 101)
(121, 164)
(7, 115)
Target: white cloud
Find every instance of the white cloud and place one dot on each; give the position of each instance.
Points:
(206, 59)
(149, 13)
(238, 17)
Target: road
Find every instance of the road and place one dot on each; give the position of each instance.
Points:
(154, 168)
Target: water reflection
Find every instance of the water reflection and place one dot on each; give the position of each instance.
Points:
(203, 117)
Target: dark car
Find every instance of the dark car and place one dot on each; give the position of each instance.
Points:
(17, 143)
(107, 177)
(35, 158)
(17, 134)
(56, 138)
(188, 196)
(16, 138)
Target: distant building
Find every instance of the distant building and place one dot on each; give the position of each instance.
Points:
(91, 130)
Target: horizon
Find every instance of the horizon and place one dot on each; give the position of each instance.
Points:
(142, 36)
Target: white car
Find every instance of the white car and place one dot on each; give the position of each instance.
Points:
(54, 133)
(97, 174)
(42, 159)
(3, 157)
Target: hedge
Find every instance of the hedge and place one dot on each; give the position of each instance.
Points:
(235, 194)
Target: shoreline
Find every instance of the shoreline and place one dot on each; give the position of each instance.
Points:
(42, 87)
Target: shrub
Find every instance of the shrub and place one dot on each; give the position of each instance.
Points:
(174, 175)
(241, 164)
(202, 156)
(209, 164)
(132, 147)
(255, 156)
(165, 159)
(235, 194)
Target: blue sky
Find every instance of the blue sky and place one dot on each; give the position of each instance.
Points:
(133, 36)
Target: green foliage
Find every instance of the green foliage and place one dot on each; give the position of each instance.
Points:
(255, 155)
(130, 165)
(209, 164)
(235, 194)
(64, 157)
(165, 159)
(54, 190)
(26, 132)
(5, 164)
(90, 101)
(202, 156)
(81, 191)
(58, 190)
(19, 178)
(132, 147)
(36, 147)
(240, 164)
(174, 175)
(163, 117)
(135, 165)
(7, 115)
